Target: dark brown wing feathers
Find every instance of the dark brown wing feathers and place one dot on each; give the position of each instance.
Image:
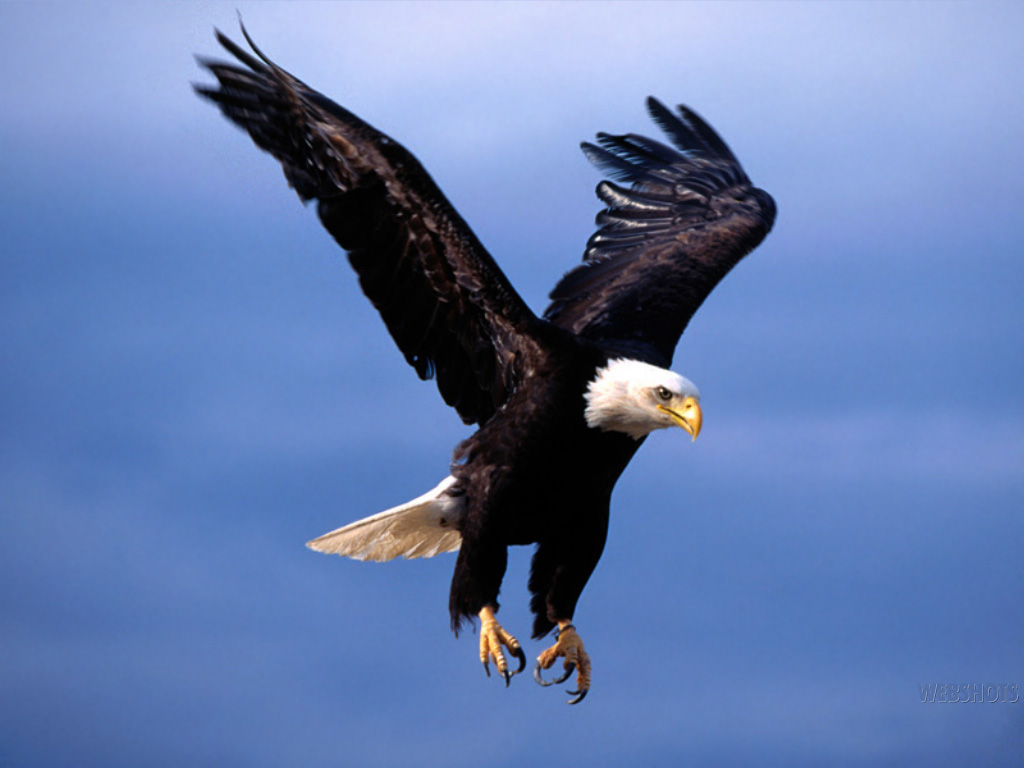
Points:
(448, 306)
(687, 217)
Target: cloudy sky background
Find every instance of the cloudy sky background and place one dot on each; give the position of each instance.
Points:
(191, 386)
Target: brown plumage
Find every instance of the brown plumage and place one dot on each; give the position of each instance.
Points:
(543, 390)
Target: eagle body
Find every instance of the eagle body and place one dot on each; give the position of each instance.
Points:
(536, 473)
(562, 400)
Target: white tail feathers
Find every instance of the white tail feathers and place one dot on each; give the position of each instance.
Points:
(422, 527)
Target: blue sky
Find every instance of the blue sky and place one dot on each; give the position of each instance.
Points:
(191, 386)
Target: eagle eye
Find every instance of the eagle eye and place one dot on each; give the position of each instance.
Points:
(663, 393)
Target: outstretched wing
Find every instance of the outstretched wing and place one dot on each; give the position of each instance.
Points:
(448, 306)
(689, 215)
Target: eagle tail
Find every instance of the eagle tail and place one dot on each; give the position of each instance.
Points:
(422, 527)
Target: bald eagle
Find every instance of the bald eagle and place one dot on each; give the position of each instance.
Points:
(561, 401)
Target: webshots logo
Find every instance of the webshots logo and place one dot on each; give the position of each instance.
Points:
(970, 693)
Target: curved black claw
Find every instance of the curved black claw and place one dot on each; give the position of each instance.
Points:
(570, 668)
(568, 671)
(578, 696)
(518, 653)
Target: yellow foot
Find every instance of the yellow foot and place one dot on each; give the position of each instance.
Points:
(570, 647)
(492, 638)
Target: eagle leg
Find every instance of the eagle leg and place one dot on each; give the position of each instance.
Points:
(570, 647)
(492, 637)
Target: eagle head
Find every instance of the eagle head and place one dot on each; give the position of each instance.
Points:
(638, 398)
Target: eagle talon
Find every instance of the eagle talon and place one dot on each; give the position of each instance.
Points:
(569, 647)
(570, 667)
(492, 639)
(521, 656)
(537, 676)
(578, 696)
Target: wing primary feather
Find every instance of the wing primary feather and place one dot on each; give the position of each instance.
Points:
(619, 167)
(707, 134)
(619, 197)
(650, 153)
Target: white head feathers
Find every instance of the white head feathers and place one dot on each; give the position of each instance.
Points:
(636, 398)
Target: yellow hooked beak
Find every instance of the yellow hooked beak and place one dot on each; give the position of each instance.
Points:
(688, 416)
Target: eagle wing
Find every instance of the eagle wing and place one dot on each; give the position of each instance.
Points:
(689, 215)
(448, 306)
